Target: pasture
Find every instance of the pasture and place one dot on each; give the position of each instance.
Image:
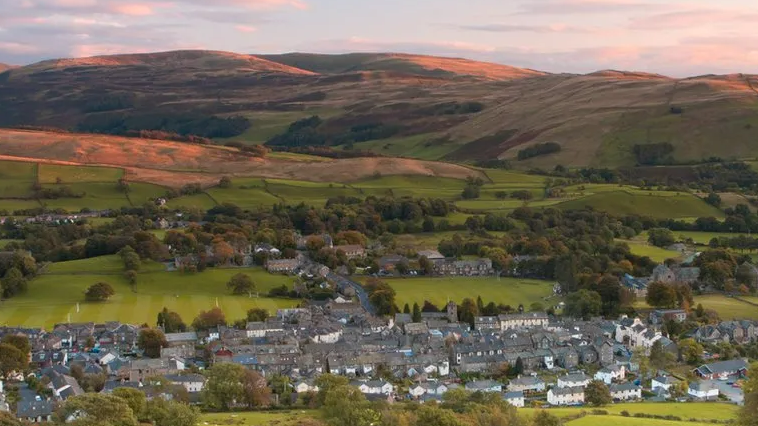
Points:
(642, 248)
(54, 294)
(257, 418)
(593, 420)
(440, 290)
(728, 308)
(646, 203)
(704, 237)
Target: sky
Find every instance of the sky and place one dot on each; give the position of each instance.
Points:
(673, 37)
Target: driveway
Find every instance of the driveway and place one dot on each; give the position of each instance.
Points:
(734, 394)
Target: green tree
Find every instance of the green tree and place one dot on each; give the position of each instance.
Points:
(225, 182)
(151, 341)
(713, 199)
(20, 341)
(518, 368)
(209, 319)
(428, 414)
(661, 295)
(691, 351)
(639, 357)
(131, 277)
(327, 382)
(241, 284)
(467, 311)
(96, 409)
(171, 322)
(347, 406)
(661, 237)
(8, 419)
(136, 399)
(749, 411)
(543, 418)
(13, 283)
(257, 315)
(416, 313)
(224, 387)
(99, 292)
(381, 295)
(583, 304)
(597, 394)
(12, 359)
(171, 413)
(659, 358)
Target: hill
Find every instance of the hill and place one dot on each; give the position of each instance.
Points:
(5, 67)
(393, 104)
(430, 66)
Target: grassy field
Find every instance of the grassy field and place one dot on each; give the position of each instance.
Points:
(697, 411)
(54, 294)
(257, 418)
(16, 179)
(642, 248)
(646, 203)
(508, 291)
(592, 420)
(704, 237)
(50, 173)
(728, 308)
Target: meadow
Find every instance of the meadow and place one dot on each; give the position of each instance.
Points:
(53, 295)
(257, 418)
(642, 248)
(728, 308)
(704, 237)
(645, 203)
(701, 411)
(440, 290)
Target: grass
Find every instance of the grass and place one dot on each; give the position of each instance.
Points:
(16, 179)
(728, 308)
(426, 146)
(645, 203)
(54, 294)
(257, 418)
(701, 411)
(592, 420)
(247, 198)
(50, 173)
(140, 193)
(641, 248)
(98, 196)
(267, 124)
(201, 201)
(704, 237)
(508, 291)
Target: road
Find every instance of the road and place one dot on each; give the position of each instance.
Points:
(343, 282)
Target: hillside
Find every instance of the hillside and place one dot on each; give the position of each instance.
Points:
(394, 104)
(422, 65)
(5, 67)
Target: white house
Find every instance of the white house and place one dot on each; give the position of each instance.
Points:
(427, 388)
(303, 387)
(625, 391)
(105, 358)
(703, 391)
(484, 386)
(375, 387)
(526, 384)
(525, 320)
(574, 380)
(664, 382)
(516, 399)
(610, 374)
(192, 382)
(565, 396)
(326, 335)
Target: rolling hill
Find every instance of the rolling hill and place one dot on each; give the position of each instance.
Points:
(425, 107)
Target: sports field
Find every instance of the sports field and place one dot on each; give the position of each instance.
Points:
(55, 294)
(440, 290)
(728, 308)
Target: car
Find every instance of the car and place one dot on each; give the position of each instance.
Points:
(730, 383)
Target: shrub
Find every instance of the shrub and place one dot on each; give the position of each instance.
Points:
(538, 150)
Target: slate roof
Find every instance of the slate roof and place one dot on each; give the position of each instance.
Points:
(723, 367)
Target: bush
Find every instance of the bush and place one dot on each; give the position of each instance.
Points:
(538, 150)
(625, 413)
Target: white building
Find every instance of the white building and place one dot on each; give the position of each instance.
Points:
(610, 374)
(375, 387)
(192, 382)
(703, 391)
(525, 320)
(516, 399)
(574, 380)
(565, 396)
(527, 384)
(664, 382)
(625, 392)
(303, 387)
(427, 388)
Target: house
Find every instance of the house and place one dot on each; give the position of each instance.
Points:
(610, 374)
(374, 387)
(431, 254)
(516, 399)
(192, 382)
(663, 382)
(526, 384)
(663, 274)
(625, 391)
(305, 386)
(351, 251)
(723, 369)
(574, 380)
(427, 388)
(524, 320)
(486, 323)
(703, 391)
(476, 267)
(637, 285)
(389, 263)
(267, 249)
(659, 316)
(282, 265)
(566, 396)
(35, 411)
(484, 386)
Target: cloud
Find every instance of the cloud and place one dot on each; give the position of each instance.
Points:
(358, 44)
(571, 7)
(540, 29)
(133, 9)
(245, 28)
(687, 19)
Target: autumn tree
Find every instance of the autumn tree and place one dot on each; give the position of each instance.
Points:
(96, 409)
(224, 387)
(597, 394)
(255, 391)
(661, 295)
(691, 351)
(209, 319)
(99, 292)
(161, 412)
(749, 411)
(257, 315)
(171, 322)
(136, 399)
(11, 359)
(241, 284)
(151, 341)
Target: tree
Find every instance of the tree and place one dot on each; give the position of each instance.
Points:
(255, 392)
(429, 414)
(416, 313)
(597, 394)
(467, 311)
(225, 182)
(347, 406)
(713, 199)
(171, 322)
(327, 382)
(13, 283)
(136, 399)
(131, 277)
(691, 351)
(152, 341)
(406, 309)
(749, 411)
(661, 237)
(518, 368)
(225, 386)
(659, 358)
(543, 418)
(639, 357)
(20, 341)
(241, 284)
(209, 319)
(257, 315)
(381, 295)
(7, 419)
(12, 359)
(583, 304)
(97, 409)
(171, 413)
(661, 295)
(99, 292)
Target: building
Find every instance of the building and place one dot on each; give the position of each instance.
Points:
(663, 382)
(282, 265)
(374, 387)
(527, 384)
(610, 374)
(703, 391)
(484, 386)
(431, 254)
(516, 399)
(723, 369)
(625, 391)
(525, 320)
(35, 411)
(637, 285)
(659, 316)
(565, 396)
(478, 267)
(192, 382)
(574, 380)
(352, 251)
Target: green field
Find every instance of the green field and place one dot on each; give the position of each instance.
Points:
(55, 293)
(592, 420)
(257, 418)
(704, 237)
(508, 291)
(50, 173)
(647, 203)
(642, 248)
(728, 308)
(97, 196)
(16, 179)
(425, 146)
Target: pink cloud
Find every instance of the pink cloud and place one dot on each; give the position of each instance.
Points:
(245, 28)
(18, 48)
(688, 19)
(132, 9)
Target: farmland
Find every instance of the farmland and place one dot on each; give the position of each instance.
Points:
(54, 294)
(508, 291)
(257, 418)
(704, 237)
(645, 203)
(642, 248)
(728, 308)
